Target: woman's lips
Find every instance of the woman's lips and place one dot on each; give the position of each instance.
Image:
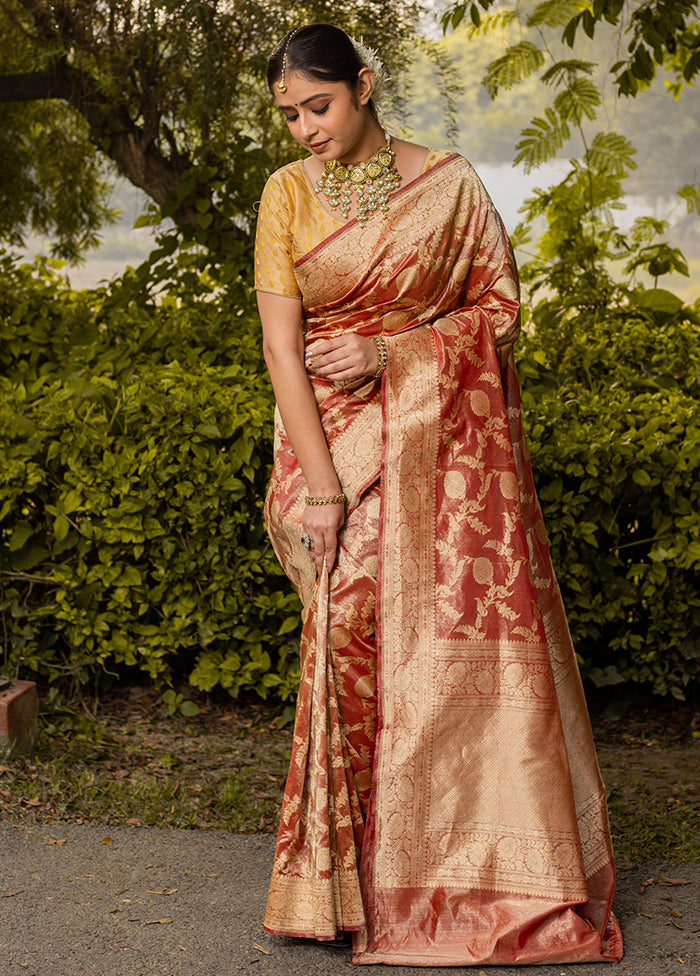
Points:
(319, 146)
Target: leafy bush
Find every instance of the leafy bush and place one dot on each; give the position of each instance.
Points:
(610, 401)
(136, 440)
(136, 445)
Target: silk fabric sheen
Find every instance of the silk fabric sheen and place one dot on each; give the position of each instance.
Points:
(444, 802)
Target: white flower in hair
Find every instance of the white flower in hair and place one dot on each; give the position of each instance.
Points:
(371, 60)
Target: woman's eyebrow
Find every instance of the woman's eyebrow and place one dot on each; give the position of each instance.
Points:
(306, 101)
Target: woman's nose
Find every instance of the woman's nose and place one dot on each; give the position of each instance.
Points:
(308, 125)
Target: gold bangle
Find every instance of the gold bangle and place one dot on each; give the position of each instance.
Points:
(326, 499)
(381, 355)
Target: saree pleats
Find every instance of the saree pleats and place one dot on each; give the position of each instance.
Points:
(481, 836)
(315, 884)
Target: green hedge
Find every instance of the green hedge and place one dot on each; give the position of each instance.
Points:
(135, 454)
(136, 441)
(611, 401)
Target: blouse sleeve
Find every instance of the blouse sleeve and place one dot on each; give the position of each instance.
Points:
(274, 264)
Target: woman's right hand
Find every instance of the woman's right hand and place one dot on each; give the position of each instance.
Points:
(323, 523)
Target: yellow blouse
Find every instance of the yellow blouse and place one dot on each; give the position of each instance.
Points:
(292, 221)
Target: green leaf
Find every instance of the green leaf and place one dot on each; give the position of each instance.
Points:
(552, 491)
(577, 101)
(61, 527)
(541, 140)
(553, 13)
(691, 194)
(641, 478)
(22, 532)
(519, 61)
(71, 501)
(659, 300)
(148, 219)
(28, 559)
(189, 708)
(611, 153)
(566, 70)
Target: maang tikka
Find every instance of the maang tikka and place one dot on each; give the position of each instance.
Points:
(282, 84)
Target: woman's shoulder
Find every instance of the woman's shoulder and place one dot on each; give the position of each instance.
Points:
(289, 176)
(455, 168)
(421, 159)
(286, 194)
(436, 156)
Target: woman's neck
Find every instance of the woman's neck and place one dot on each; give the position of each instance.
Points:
(373, 139)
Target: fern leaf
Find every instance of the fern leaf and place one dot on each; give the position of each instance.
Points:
(541, 140)
(580, 98)
(611, 153)
(554, 13)
(535, 206)
(518, 62)
(645, 229)
(497, 20)
(563, 71)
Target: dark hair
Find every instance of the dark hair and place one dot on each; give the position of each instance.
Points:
(320, 51)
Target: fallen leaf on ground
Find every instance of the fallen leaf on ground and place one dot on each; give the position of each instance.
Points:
(107, 840)
(260, 949)
(11, 894)
(672, 881)
(59, 843)
(676, 913)
(645, 884)
(159, 921)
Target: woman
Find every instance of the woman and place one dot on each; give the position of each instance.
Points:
(443, 803)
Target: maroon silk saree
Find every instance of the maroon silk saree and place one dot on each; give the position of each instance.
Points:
(444, 802)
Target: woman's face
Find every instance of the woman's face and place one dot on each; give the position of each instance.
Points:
(328, 119)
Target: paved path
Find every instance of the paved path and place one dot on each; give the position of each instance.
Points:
(112, 901)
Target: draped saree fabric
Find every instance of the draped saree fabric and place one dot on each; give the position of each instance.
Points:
(444, 802)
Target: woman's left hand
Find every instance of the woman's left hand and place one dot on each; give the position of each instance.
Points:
(345, 358)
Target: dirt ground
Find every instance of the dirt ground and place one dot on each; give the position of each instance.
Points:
(649, 757)
(225, 769)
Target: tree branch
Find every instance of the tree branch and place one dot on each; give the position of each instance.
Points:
(131, 147)
(30, 86)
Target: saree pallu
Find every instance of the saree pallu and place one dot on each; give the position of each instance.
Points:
(444, 801)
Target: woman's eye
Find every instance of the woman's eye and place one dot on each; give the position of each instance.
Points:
(291, 118)
(320, 111)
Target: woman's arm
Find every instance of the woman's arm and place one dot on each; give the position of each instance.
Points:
(283, 347)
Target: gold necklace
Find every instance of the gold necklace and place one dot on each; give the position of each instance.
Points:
(373, 180)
